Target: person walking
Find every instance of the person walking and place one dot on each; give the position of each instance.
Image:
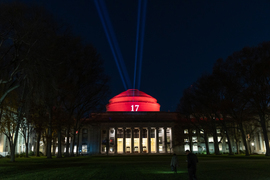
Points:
(174, 163)
(192, 161)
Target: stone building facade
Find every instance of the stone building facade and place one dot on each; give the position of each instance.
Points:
(134, 124)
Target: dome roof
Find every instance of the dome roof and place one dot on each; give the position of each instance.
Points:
(133, 100)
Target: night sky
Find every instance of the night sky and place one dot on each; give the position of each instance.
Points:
(183, 38)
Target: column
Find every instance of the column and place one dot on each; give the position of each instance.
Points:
(157, 142)
(100, 140)
(115, 140)
(108, 140)
(149, 139)
(165, 139)
(141, 146)
(132, 139)
(171, 144)
(124, 140)
(89, 144)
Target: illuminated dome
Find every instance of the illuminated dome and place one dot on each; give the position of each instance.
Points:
(133, 100)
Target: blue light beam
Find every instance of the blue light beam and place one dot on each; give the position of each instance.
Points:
(110, 42)
(115, 43)
(137, 43)
(141, 42)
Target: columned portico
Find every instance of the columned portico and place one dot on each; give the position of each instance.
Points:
(143, 139)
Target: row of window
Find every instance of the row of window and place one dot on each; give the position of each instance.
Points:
(201, 131)
(195, 139)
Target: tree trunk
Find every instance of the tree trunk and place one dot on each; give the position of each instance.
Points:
(244, 138)
(59, 154)
(190, 140)
(13, 149)
(49, 140)
(17, 127)
(12, 152)
(229, 143)
(205, 136)
(26, 149)
(73, 142)
(37, 144)
(265, 135)
(78, 137)
(67, 143)
(237, 146)
(27, 141)
(216, 145)
(214, 128)
(54, 146)
(45, 149)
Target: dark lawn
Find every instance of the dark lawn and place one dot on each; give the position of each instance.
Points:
(138, 167)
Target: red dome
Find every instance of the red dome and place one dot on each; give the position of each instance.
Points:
(133, 100)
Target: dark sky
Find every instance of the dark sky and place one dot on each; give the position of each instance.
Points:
(183, 38)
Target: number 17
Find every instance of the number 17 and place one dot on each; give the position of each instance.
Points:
(136, 107)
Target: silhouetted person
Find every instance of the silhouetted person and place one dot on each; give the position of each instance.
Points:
(192, 165)
(174, 163)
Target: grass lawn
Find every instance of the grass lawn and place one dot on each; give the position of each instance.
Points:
(137, 167)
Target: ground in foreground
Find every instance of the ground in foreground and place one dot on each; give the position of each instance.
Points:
(138, 167)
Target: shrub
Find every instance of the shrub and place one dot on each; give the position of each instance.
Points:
(31, 153)
(23, 154)
(242, 152)
(41, 153)
(7, 156)
(1, 156)
(203, 152)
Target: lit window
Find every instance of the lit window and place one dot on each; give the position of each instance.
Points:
(186, 131)
(210, 139)
(194, 132)
(185, 140)
(194, 139)
(195, 148)
(187, 147)
(201, 131)
(84, 148)
(219, 138)
(220, 147)
(218, 130)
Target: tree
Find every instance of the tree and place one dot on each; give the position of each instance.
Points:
(27, 40)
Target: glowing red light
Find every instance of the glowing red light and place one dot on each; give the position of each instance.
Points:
(133, 100)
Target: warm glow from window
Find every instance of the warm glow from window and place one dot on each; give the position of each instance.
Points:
(153, 144)
(120, 145)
